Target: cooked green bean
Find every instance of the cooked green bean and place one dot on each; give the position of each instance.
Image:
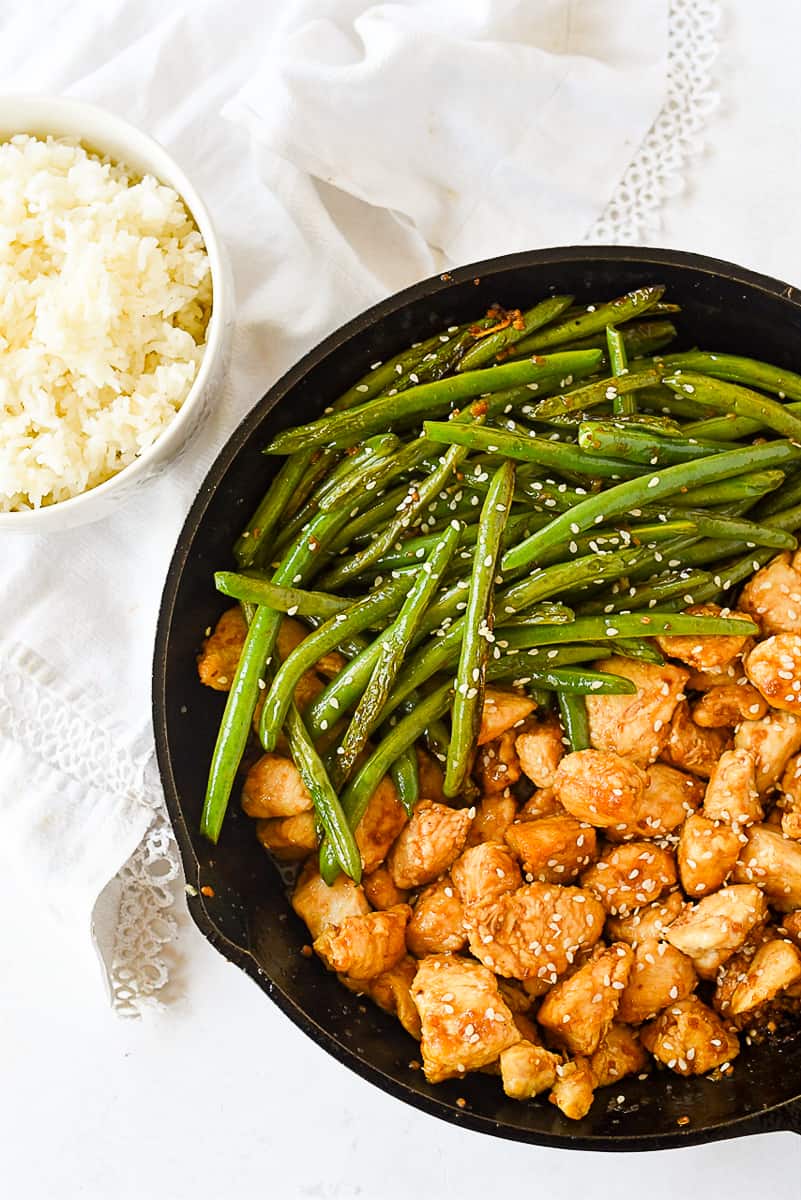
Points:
(405, 772)
(719, 525)
(573, 711)
(619, 442)
(736, 369)
(256, 590)
(624, 403)
(730, 491)
(733, 397)
(640, 338)
(556, 456)
(498, 344)
(592, 394)
(594, 320)
(271, 509)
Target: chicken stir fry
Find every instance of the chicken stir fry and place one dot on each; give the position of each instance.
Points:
(578, 916)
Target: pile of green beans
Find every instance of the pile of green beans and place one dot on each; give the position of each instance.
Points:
(558, 471)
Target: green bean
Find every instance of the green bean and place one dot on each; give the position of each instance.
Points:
(362, 524)
(256, 590)
(497, 344)
(633, 304)
(382, 376)
(636, 648)
(556, 456)
(437, 739)
(549, 613)
(415, 549)
(649, 594)
(478, 623)
(348, 428)
(660, 399)
(784, 498)
(730, 491)
(326, 803)
(573, 711)
(405, 772)
(624, 403)
(639, 337)
(635, 625)
(616, 440)
(736, 369)
(592, 394)
(719, 525)
(580, 682)
(625, 496)
(367, 715)
(367, 475)
(732, 397)
(255, 535)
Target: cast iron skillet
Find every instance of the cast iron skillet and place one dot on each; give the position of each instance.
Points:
(248, 919)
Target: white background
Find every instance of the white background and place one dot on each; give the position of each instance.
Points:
(220, 1096)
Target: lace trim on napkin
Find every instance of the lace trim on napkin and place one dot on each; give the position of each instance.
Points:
(69, 730)
(657, 170)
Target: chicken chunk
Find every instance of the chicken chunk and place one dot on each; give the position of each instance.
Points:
(706, 854)
(273, 788)
(380, 889)
(704, 681)
(432, 777)
(690, 1038)
(288, 838)
(647, 922)
(726, 706)
(773, 741)
(437, 924)
(428, 844)
(710, 652)
(527, 1069)
(630, 876)
(574, 1089)
(692, 748)
(669, 797)
(219, 655)
(619, 1053)
(502, 710)
(731, 794)
(660, 975)
(465, 1022)
(791, 799)
(485, 872)
(319, 905)
(773, 596)
(636, 726)
(493, 817)
(600, 787)
(775, 967)
(540, 751)
(774, 667)
(497, 766)
(578, 1011)
(553, 849)
(365, 946)
(791, 926)
(774, 862)
(711, 931)
(392, 991)
(542, 803)
(383, 820)
(535, 931)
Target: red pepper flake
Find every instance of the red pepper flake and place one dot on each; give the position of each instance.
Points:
(683, 1121)
(446, 277)
(414, 495)
(461, 1102)
(313, 544)
(414, 1065)
(480, 408)
(207, 891)
(306, 951)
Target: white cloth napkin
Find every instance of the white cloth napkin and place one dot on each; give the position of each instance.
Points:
(363, 147)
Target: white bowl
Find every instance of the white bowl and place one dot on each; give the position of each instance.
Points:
(105, 133)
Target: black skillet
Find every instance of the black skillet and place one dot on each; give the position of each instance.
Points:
(248, 920)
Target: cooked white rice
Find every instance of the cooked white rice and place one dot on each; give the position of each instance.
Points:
(105, 295)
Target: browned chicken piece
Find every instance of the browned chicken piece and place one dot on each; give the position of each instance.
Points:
(711, 931)
(428, 844)
(288, 838)
(580, 1009)
(392, 991)
(703, 681)
(600, 787)
(380, 890)
(493, 817)
(485, 872)
(707, 653)
(631, 875)
(273, 788)
(219, 655)
(502, 710)
(669, 797)
(542, 803)
(790, 801)
(527, 1069)
(692, 748)
(690, 1038)
(791, 925)
(527, 1028)
(726, 706)
(731, 794)
(497, 766)
(437, 924)
(648, 922)
(619, 1053)
(535, 931)
(706, 854)
(291, 633)
(319, 905)
(366, 946)
(383, 820)
(518, 1000)
(573, 1091)
(733, 972)
(660, 975)
(553, 849)
(432, 777)
(775, 967)
(773, 741)
(636, 726)
(774, 862)
(540, 751)
(465, 1022)
(774, 667)
(773, 595)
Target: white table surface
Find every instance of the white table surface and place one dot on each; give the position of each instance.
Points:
(219, 1095)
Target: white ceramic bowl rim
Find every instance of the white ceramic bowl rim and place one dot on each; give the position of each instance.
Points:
(107, 133)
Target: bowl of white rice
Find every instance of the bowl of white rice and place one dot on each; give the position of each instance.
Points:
(116, 312)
